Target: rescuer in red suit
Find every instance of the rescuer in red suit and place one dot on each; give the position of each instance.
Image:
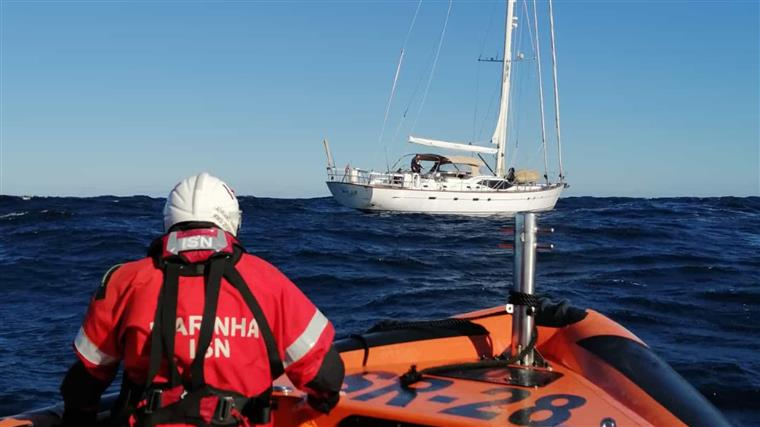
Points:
(202, 327)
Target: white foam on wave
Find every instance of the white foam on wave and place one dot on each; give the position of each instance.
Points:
(13, 215)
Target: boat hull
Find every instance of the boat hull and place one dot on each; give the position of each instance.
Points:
(379, 198)
(598, 374)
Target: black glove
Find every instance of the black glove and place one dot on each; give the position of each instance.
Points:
(323, 404)
(79, 418)
(81, 396)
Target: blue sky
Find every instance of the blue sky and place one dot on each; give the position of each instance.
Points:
(659, 98)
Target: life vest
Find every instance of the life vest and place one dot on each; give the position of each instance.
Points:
(183, 399)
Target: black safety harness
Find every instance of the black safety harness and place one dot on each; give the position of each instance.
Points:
(147, 403)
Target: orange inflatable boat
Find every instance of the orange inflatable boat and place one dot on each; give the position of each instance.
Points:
(528, 363)
(531, 362)
(593, 373)
(589, 371)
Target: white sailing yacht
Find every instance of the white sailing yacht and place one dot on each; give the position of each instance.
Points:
(447, 184)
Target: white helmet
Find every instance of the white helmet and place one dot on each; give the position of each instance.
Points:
(203, 198)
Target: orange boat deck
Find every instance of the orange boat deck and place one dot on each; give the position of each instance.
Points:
(598, 374)
(583, 389)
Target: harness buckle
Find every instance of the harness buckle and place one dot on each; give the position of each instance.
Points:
(224, 408)
(154, 400)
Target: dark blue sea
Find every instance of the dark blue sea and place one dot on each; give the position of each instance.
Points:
(683, 274)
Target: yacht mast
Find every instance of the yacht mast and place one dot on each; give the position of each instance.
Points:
(500, 133)
(540, 91)
(556, 93)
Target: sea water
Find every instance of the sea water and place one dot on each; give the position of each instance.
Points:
(683, 274)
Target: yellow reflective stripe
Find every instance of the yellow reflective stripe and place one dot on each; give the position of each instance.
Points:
(307, 340)
(91, 352)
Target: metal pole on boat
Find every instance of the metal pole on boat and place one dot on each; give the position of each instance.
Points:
(330, 163)
(524, 282)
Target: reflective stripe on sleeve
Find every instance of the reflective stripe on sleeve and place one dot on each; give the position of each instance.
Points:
(91, 352)
(306, 341)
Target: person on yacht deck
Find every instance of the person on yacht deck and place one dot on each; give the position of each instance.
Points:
(416, 167)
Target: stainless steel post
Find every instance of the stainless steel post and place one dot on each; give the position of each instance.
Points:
(524, 280)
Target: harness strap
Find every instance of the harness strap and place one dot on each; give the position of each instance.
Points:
(169, 321)
(275, 362)
(173, 413)
(156, 346)
(211, 301)
(164, 328)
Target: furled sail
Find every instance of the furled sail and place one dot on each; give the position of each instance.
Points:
(500, 133)
(452, 145)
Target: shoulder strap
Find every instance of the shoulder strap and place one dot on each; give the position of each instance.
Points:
(236, 280)
(164, 327)
(210, 302)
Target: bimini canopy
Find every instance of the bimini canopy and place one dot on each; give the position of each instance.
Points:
(464, 160)
(430, 157)
(472, 164)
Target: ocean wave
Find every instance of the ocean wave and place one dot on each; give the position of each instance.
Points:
(668, 269)
(10, 216)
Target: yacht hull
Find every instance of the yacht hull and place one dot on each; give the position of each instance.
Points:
(505, 202)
